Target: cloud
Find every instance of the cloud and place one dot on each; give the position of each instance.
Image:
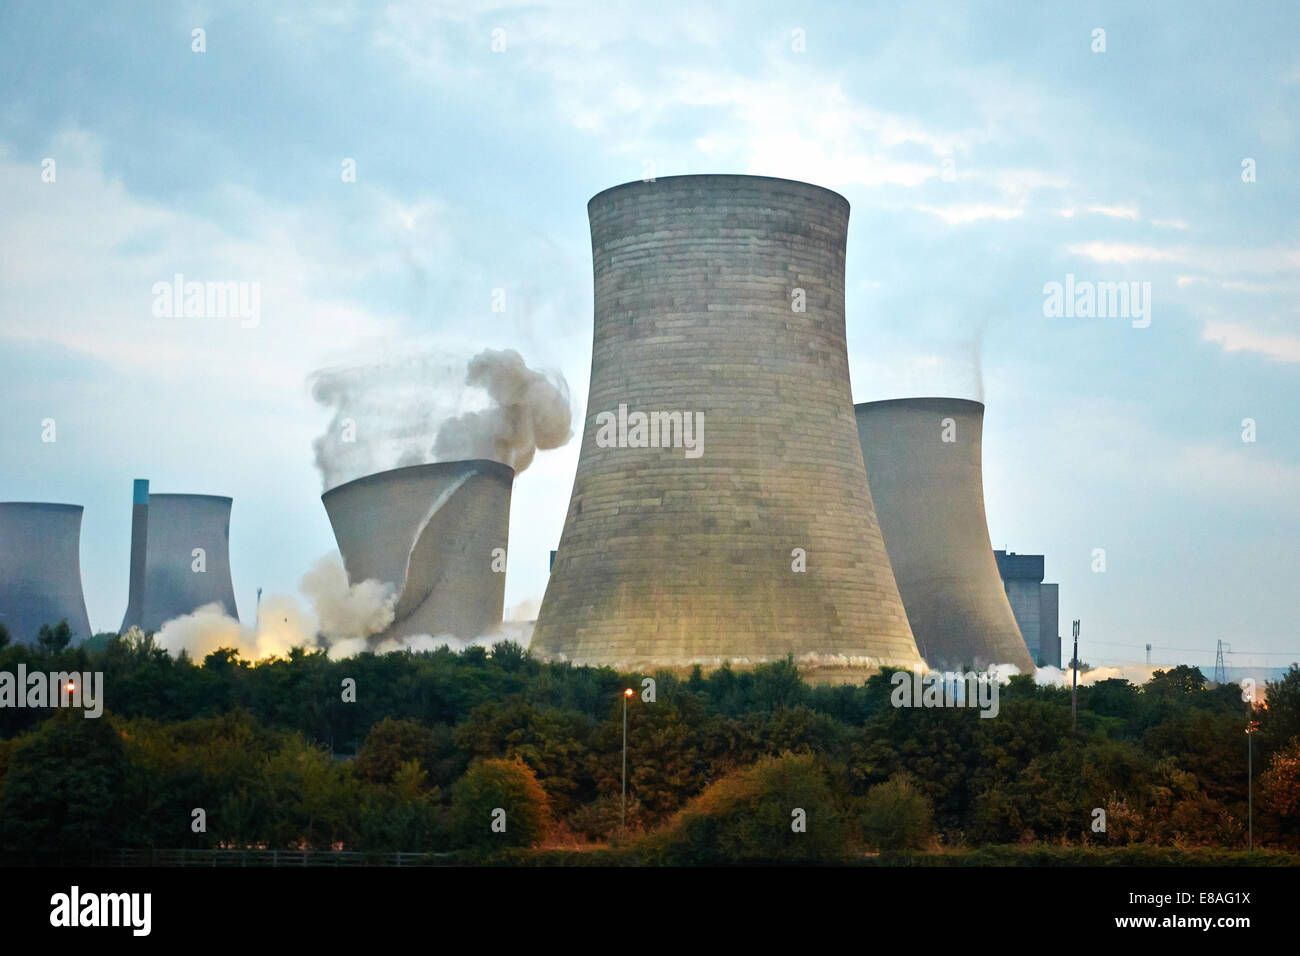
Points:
(1236, 337)
(84, 253)
(1115, 212)
(1275, 259)
(962, 213)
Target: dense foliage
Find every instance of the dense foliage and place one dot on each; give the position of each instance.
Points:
(276, 755)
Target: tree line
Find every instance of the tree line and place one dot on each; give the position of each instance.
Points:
(720, 766)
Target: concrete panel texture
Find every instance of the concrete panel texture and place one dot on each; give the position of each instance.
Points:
(430, 531)
(40, 569)
(177, 525)
(924, 465)
(667, 559)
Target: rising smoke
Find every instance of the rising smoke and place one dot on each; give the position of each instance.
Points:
(420, 410)
(344, 619)
(339, 612)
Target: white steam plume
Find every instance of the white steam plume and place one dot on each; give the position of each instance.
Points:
(424, 409)
(530, 410)
(1060, 677)
(346, 611)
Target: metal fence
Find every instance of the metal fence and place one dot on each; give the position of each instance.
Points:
(237, 858)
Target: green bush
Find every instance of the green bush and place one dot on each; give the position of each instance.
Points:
(896, 815)
(492, 785)
(779, 810)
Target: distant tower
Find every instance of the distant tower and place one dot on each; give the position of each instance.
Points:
(924, 466)
(721, 298)
(1035, 604)
(180, 557)
(40, 569)
(139, 539)
(1220, 671)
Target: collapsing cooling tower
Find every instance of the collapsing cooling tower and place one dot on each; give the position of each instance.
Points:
(180, 557)
(40, 569)
(923, 458)
(433, 532)
(721, 299)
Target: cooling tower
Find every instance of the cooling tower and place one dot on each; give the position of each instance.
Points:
(180, 557)
(40, 569)
(719, 305)
(923, 458)
(431, 532)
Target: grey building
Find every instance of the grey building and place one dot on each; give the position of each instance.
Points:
(180, 557)
(719, 299)
(438, 534)
(1035, 604)
(40, 569)
(924, 459)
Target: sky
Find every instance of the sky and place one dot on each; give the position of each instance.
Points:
(986, 150)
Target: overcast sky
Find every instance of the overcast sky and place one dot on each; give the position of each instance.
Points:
(986, 151)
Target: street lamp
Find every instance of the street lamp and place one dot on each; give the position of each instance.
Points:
(1251, 728)
(626, 694)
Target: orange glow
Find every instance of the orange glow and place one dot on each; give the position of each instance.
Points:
(71, 686)
(628, 692)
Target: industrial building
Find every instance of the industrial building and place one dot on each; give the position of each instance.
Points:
(1035, 604)
(719, 312)
(180, 557)
(924, 463)
(40, 569)
(438, 534)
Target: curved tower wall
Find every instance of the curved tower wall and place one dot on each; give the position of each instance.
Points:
(40, 569)
(430, 531)
(929, 496)
(139, 555)
(174, 526)
(671, 559)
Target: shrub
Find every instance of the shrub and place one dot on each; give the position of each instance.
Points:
(895, 815)
(492, 785)
(778, 810)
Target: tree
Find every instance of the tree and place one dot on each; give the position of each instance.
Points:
(499, 804)
(780, 809)
(61, 789)
(896, 815)
(392, 743)
(51, 640)
(1279, 795)
(1179, 681)
(4, 636)
(509, 656)
(1279, 721)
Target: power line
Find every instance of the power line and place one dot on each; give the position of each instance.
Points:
(1293, 655)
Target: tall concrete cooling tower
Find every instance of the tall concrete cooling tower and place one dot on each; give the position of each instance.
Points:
(431, 532)
(719, 310)
(40, 569)
(180, 557)
(923, 458)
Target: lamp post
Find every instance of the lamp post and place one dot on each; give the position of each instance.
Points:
(626, 694)
(1251, 727)
(1074, 684)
